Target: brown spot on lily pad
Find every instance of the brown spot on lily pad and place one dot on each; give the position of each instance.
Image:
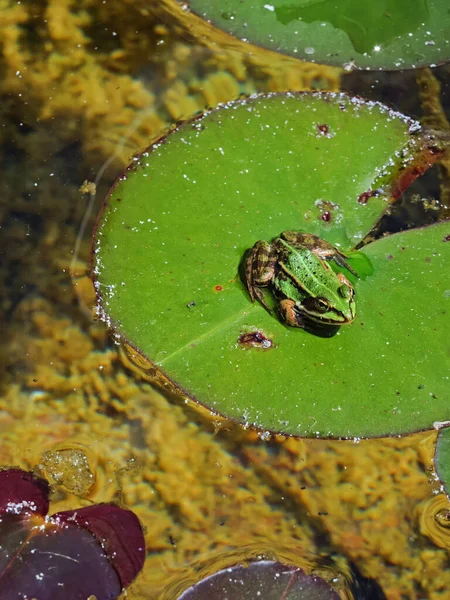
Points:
(364, 197)
(255, 339)
(323, 130)
(327, 210)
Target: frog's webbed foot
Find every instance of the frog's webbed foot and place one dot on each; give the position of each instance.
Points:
(328, 252)
(340, 259)
(260, 295)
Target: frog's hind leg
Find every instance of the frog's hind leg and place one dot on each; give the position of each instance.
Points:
(258, 270)
(256, 284)
(326, 251)
(263, 263)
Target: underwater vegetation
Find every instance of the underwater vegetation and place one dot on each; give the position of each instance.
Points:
(92, 551)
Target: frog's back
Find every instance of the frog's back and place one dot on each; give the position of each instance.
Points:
(305, 270)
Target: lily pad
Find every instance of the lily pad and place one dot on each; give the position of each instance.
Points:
(387, 34)
(442, 458)
(177, 224)
(265, 579)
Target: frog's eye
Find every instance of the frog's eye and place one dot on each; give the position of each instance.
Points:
(321, 305)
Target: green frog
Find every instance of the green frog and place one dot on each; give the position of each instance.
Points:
(295, 268)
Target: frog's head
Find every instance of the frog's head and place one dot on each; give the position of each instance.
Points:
(337, 307)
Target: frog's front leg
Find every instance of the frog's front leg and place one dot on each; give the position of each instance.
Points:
(289, 313)
(346, 290)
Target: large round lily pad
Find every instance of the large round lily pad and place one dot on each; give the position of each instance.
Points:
(386, 34)
(176, 225)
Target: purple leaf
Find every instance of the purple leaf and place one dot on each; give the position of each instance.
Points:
(21, 491)
(94, 551)
(42, 559)
(119, 533)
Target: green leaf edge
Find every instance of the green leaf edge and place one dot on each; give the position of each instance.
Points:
(349, 66)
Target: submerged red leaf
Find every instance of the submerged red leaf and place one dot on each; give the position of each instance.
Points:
(119, 533)
(22, 491)
(94, 551)
(42, 559)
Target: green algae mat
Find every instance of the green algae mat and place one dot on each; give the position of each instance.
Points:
(381, 34)
(170, 242)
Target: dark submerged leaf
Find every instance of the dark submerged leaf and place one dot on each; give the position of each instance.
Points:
(119, 533)
(97, 550)
(264, 579)
(21, 491)
(49, 561)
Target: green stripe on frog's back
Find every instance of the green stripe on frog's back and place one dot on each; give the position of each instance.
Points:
(306, 270)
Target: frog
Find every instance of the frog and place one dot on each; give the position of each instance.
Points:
(295, 268)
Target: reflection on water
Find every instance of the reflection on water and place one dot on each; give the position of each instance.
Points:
(368, 24)
(82, 83)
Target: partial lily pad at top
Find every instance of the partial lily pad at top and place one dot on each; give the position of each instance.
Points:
(264, 579)
(177, 224)
(386, 34)
(442, 457)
